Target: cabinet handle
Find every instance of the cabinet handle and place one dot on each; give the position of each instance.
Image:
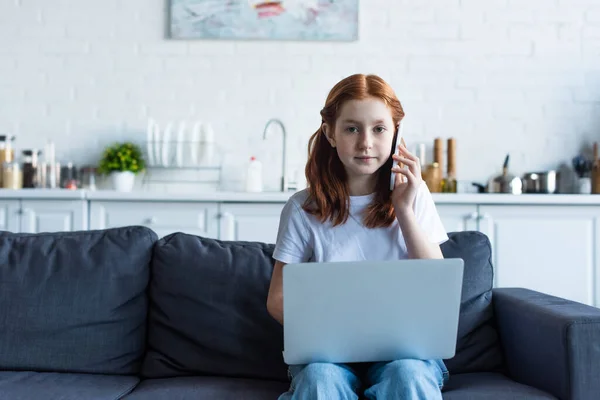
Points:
(227, 226)
(474, 216)
(151, 220)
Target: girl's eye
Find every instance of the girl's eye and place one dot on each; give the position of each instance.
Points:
(380, 129)
(352, 129)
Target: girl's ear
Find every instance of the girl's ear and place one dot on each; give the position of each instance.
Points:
(328, 132)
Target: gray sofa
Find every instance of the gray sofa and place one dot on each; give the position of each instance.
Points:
(118, 314)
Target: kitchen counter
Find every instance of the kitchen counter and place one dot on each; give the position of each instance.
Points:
(264, 197)
(278, 197)
(42, 194)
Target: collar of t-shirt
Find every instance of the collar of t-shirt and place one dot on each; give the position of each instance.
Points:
(359, 203)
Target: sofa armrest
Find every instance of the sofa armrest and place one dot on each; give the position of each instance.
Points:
(550, 343)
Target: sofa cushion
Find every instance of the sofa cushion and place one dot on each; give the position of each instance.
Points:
(478, 347)
(208, 310)
(74, 302)
(64, 386)
(209, 388)
(486, 385)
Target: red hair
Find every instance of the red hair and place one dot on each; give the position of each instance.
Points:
(328, 193)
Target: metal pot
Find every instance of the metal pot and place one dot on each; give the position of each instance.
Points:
(541, 182)
(505, 183)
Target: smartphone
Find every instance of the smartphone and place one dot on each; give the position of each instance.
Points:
(395, 151)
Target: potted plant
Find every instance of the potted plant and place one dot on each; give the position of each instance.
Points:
(122, 161)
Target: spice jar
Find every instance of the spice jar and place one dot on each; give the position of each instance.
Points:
(30, 168)
(6, 153)
(12, 177)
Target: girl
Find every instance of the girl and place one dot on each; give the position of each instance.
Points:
(348, 213)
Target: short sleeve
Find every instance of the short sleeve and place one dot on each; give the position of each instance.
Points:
(293, 241)
(428, 217)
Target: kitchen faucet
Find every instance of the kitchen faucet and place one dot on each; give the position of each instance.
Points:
(284, 181)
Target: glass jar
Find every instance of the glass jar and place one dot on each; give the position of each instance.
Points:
(68, 177)
(30, 168)
(7, 153)
(88, 177)
(12, 176)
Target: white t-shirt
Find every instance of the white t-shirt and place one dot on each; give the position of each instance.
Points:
(303, 238)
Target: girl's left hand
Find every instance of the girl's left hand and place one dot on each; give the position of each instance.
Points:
(408, 180)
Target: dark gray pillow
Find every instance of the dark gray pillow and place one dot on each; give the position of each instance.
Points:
(208, 311)
(478, 347)
(74, 301)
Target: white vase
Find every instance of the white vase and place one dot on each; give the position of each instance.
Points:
(123, 181)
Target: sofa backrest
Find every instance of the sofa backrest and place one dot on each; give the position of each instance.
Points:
(478, 346)
(208, 309)
(74, 302)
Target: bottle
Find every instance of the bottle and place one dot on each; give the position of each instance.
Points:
(254, 176)
(420, 153)
(449, 182)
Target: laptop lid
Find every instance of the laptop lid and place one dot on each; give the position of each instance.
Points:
(371, 311)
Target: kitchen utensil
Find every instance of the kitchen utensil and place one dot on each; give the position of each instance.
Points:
(541, 182)
(581, 165)
(505, 183)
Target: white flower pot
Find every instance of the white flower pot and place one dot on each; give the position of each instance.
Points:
(123, 181)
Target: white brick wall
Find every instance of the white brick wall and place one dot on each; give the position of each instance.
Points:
(518, 76)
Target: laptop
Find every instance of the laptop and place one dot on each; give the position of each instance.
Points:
(370, 311)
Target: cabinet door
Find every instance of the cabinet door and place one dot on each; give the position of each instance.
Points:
(250, 222)
(458, 218)
(163, 218)
(9, 215)
(53, 215)
(551, 249)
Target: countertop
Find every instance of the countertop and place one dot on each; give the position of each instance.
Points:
(279, 197)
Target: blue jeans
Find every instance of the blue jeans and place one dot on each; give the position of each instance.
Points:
(407, 379)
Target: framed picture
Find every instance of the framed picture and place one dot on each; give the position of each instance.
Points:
(311, 20)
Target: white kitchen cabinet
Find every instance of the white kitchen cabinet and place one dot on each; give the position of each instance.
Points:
(458, 217)
(250, 222)
(9, 215)
(260, 222)
(53, 216)
(163, 218)
(551, 249)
